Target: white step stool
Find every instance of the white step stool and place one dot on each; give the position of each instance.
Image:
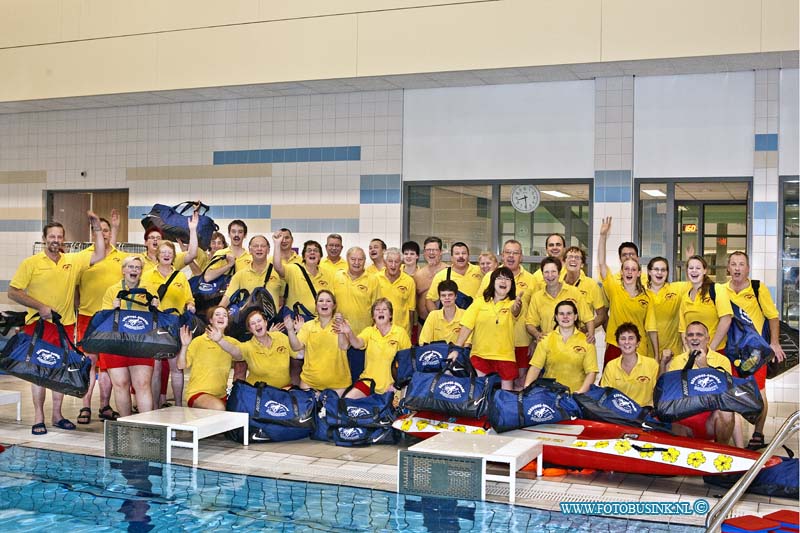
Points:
(12, 396)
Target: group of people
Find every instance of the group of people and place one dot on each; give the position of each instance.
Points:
(352, 317)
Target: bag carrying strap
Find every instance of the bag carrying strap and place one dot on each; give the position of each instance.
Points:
(162, 289)
(268, 274)
(182, 207)
(129, 295)
(260, 386)
(449, 271)
(64, 340)
(308, 280)
(300, 309)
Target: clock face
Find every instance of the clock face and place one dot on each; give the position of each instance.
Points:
(525, 198)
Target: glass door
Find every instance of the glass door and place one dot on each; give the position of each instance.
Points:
(712, 230)
(790, 307)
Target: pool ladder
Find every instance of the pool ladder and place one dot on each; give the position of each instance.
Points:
(720, 511)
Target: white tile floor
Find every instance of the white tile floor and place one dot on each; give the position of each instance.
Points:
(375, 467)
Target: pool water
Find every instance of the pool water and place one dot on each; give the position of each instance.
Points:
(41, 490)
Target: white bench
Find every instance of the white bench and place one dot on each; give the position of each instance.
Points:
(12, 396)
(201, 423)
(489, 448)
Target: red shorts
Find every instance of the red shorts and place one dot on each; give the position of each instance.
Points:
(523, 359)
(760, 375)
(507, 369)
(110, 360)
(51, 332)
(363, 386)
(612, 352)
(190, 401)
(80, 329)
(697, 423)
(415, 329)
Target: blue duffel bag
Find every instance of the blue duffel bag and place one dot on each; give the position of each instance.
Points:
(682, 393)
(356, 422)
(443, 392)
(545, 401)
(150, 334)
(207, 294)
(426, 358)
(276, 415)
(61, 368)
(173, 222)
(608, 404)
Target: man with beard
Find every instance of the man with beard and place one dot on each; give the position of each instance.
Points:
(466, 275)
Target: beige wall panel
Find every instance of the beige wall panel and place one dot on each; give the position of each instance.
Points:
(29, 22)
(281, 9)
(318, 211)
(78, 69)
(647, 29)
(780, 25)
(474, 36)
(258, 53)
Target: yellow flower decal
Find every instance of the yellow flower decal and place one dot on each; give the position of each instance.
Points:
(670, 456)
(442, 425)
(601, 444)
(406, 425)
(696, 459)
(422, 424)
(622, 446)
(579, 444)
(644, 451)
(479, 431)
(459, 429)
(723, 463)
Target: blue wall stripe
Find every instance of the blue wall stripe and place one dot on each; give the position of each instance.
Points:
(765, 210)
(252, 211)
(317, 225)
(766, 142)
(287, 155)
(380, 188)
(612, 194)
(612, 178)
(20, 225)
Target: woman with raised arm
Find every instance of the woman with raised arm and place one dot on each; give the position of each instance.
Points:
(703, 303)
(665, 299)
(303, 280)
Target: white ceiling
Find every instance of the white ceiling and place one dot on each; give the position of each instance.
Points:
(583, 71)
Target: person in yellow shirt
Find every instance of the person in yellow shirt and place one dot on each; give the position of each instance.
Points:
(267, 353)
(153, 237)
(628, 301)
(298, 275)
(399, 288)
(564, 354)
(572, 274)
(325, 363)
(410, 251)
(467, 276)
(665, 300)
(716, 425)
(236, 257)
(444, 324)
(698, 304)
(216, 244)
(554, 246)
(376, 250)
(210, 363)
(762, 311)
(487, 262)
(381, 342)
(288, 255)
(490, 320)
(632, 374)
(254, 273)
(333, 261)
(45, 283)
(543, 303)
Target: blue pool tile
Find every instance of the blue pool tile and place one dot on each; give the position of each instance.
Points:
(315, 154)
(393, 196)
(765, 210)
(278, 155)
(379, 182)
(771, 227)
(230, 158)
(393, 181)
(219, 158)
(329, 153)
(366, 182)
(366, 196)
(264, 211)
(240, 157)
(354, 153)
(303, 155)
(265, 156)
(766, 142)
(379, 197)
(340, 153)
(352, 225)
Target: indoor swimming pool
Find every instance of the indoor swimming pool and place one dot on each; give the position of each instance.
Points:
(41, 490)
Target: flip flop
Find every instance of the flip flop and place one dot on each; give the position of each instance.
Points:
(84, 415)
(39, 429)
(64, 424)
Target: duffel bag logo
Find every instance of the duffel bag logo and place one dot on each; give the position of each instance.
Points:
(276, 409)
(451, 390)
(706, 383)
(541, 412)
(351, 433)
(357, 412)
(205, 287)
(47, 357)
(623, 404)
(135, 323)
(430, 358)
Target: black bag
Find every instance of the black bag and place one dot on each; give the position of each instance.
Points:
(427, 358)
(242, 304)
(608, 404)
(788, 341)
(356, 422)
(150, 334)
(207, 294)
(61, 368)
(545, 401)
(452, 395)
(174, 224)
(682, 393)
(276, 415)
(463, 300)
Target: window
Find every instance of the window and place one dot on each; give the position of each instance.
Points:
(790, 308)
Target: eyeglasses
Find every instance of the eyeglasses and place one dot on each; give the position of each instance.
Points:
(508, 252)
(431, 250)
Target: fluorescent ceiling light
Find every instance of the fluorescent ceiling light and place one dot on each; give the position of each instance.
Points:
(556, 194)
(654, 192)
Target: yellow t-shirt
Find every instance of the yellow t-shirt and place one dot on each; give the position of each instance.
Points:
(294, 258)
(372, 270)
(178, 295)
(332, 268)
(436, 328)
(354, 298)
(705, 310)
(211, 366)
(249, 279)
(97, 278)
(402, 293)
(51, 283)
(242, 262)
(589, 288)
(524, 281)
(149, 264)
(542, 307)
(666, 305)
(379, 354)
(747, 302)
(714, 360)
(567, 362)
(270, 365)
(492, 326)
(638, 385)
(626, 308)
(299, 290)
(468, 283)
(111, 295)
(325, 365)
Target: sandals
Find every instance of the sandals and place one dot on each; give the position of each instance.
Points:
(65, 424)
(84, 415)
(39, 429)
(756, 441)
(107, 413)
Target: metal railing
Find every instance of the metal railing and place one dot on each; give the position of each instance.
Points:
(720, 511)
(71, 247)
